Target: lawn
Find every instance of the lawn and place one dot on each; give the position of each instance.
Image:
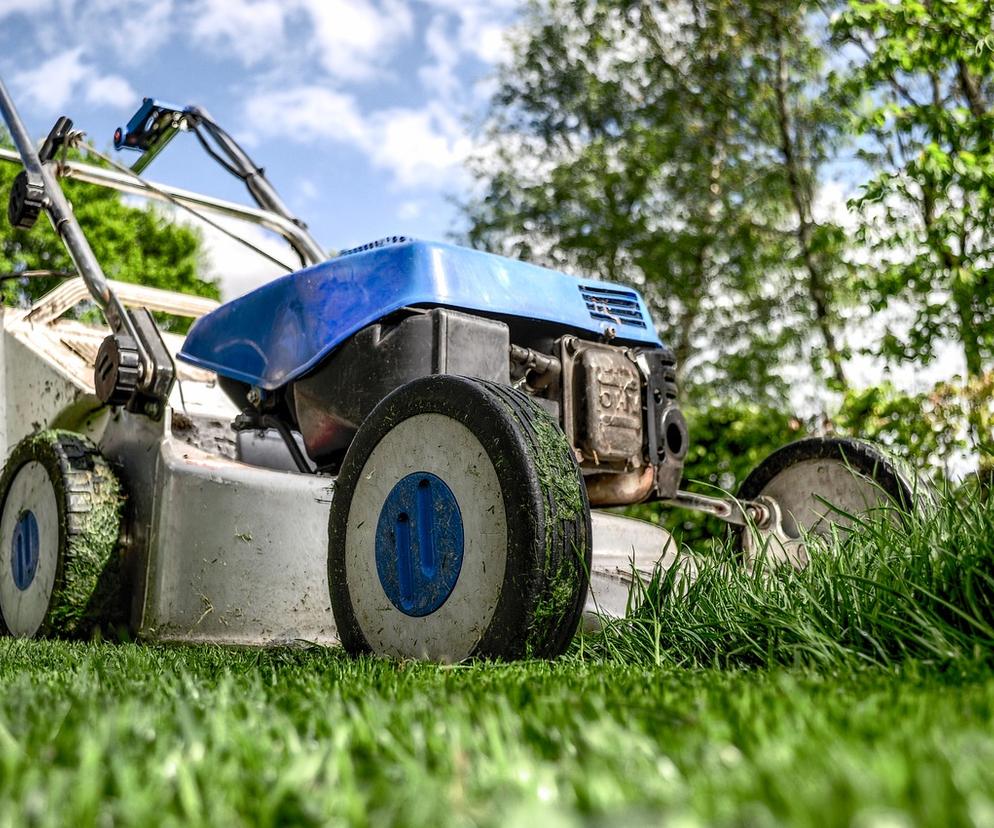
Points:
(99, 734)
(853, 694)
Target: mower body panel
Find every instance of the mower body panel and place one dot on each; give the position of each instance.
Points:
(218, 550)
(282, 330)
(239, 554)
(236, 554)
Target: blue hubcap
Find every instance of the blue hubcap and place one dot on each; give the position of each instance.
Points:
(419, 544)
(24, 550)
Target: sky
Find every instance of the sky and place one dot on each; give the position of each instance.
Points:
(360, 111)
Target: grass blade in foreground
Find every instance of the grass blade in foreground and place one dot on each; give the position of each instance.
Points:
(129, 735)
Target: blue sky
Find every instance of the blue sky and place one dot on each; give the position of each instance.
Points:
(360, 110)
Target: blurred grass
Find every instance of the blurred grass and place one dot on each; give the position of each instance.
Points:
(859, 692)
(96, 734)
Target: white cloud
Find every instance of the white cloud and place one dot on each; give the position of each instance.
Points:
(349, 39)
(421, 147)
(129, 33)
(10, 7)
(251, 30)
(307, 113)
(418, 146)
(111, 90)
(410, 210)
(355, 36)
(351, 53)
(341, 43)
(439, 77)
(53, 84)
(482, 25)
(132, 32)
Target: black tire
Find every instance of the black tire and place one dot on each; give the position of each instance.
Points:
(874, 478)
(86, 590)
(861, 456)
(548, 533)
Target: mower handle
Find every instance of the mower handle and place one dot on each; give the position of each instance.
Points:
(42, 185)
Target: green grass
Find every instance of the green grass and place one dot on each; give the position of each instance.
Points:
(860, 692)
(892, 589)
(96, 734)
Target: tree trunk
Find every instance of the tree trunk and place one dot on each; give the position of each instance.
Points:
(817, 282)
(684, 347)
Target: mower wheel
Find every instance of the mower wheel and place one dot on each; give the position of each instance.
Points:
(459, 527)
(820, 485)
(59, 525)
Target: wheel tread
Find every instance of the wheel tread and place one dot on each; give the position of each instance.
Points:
(546, 581)
(567, 542)
(89, 583)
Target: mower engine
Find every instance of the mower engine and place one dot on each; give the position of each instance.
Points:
(584, 350)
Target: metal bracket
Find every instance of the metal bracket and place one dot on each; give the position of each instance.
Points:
(27, 199)
(57, 139)
(771, 541)
(153, 126)
(728, 509)
(160, 368)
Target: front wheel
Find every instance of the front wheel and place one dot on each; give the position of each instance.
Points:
(819, 486)
(60, 570)
(460, 527)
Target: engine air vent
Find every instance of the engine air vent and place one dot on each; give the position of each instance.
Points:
(362, 248)
(613, 305)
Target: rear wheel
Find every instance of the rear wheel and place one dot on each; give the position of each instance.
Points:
(459, 527)
(59, 525)
(818, 486)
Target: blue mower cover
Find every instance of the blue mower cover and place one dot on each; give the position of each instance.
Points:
(282, 330)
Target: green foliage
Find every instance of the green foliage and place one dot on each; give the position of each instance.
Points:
(928, 429)
(132, 245)
(726, 443)
(680, 149)
(678, 152)
(921, 77)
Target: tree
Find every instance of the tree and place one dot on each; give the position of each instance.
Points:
(132, 245)
(922, 74)
(792, 115)
(676, 147)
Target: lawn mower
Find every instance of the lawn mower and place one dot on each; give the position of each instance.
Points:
(407, 447)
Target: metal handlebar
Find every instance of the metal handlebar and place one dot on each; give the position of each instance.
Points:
(103, 177)
(262, 192)
(64, 222)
